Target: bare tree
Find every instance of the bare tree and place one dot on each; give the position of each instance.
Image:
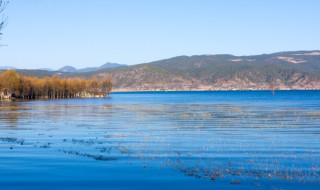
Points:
(3, 21)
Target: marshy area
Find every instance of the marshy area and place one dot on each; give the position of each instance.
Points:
(163, 140)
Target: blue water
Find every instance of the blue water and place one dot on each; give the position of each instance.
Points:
(163, 140)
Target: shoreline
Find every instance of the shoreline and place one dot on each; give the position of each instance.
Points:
(159, 91)
(220, 90)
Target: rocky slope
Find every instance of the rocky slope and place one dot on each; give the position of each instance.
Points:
(283, 70)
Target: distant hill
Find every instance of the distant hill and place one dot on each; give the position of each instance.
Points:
(90, 69)
(283, 70)
(46, 69)
(6, 67)
(67, 69)
(102, 67)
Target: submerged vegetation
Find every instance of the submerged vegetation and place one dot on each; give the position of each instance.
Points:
(13, 85)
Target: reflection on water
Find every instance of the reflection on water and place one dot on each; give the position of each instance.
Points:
(9, 113)
(266, 144)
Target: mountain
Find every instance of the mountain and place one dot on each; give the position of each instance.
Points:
(68, 69)
(6, 67)
(282, 70)
(102, 67)
(91, 69)
(111, 66)
(46, 69)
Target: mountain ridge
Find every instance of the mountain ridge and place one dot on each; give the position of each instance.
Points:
(107, 65)
(280, 70)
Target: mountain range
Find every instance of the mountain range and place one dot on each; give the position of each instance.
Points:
(73, 69)
(282, 70)
(6, 67)
(91, 69)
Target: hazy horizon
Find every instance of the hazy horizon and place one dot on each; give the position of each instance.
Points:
(53, 34)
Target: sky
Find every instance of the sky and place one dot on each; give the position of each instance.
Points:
(89, 33)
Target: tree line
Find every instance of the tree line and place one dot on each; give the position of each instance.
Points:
(26, 87)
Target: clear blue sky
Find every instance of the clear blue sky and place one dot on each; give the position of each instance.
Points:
(81, 33)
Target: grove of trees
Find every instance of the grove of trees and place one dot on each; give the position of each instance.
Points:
(26, 87)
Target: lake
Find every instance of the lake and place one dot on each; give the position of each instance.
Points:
(163, 140)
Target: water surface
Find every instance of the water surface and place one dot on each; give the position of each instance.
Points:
(163, 140)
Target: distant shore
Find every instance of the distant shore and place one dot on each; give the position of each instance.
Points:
(199, 90)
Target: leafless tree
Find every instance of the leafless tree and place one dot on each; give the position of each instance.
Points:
(3, 21)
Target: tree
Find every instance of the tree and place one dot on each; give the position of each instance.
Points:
(10, 80)
(3, 20)
(106, 85)
(93, 86)
(28, 87)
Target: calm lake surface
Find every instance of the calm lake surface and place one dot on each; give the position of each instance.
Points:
(163, 140)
